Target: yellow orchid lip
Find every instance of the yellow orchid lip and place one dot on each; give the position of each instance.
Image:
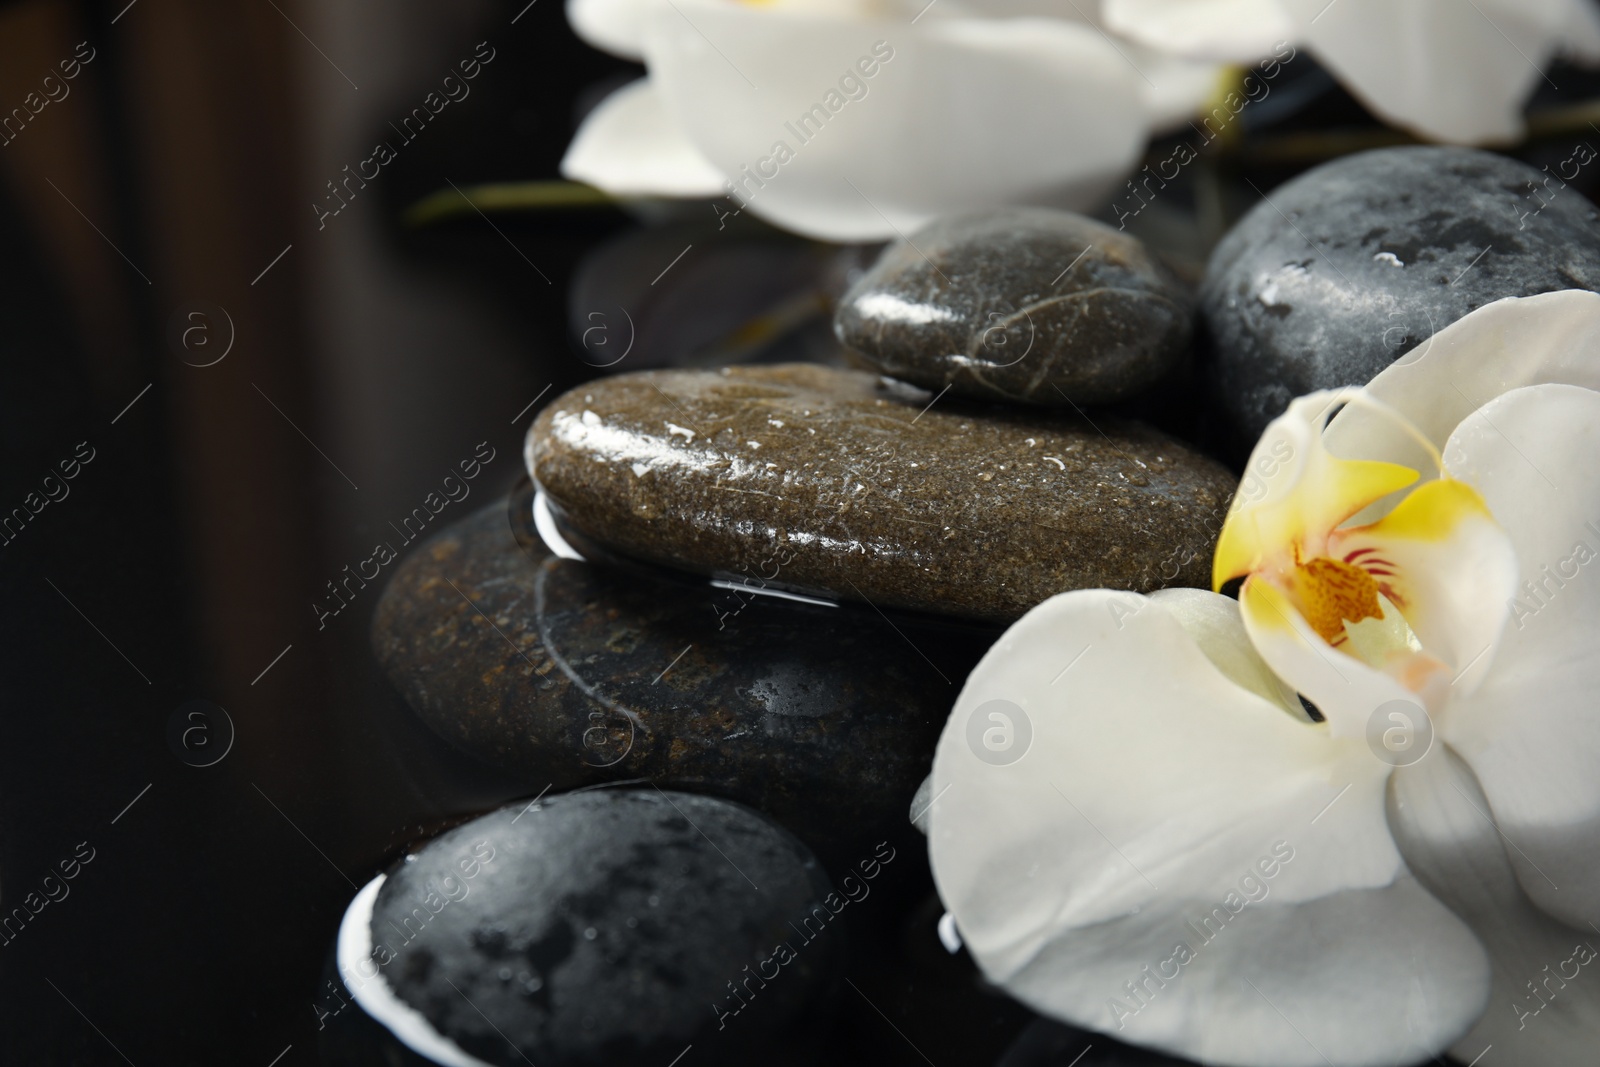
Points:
(1285, 529)
(1295, 492)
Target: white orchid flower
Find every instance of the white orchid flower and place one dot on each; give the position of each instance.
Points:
(855, 120)
(1449, 70)
(1140, 828)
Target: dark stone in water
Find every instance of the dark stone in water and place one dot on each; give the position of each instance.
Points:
(1047, 1043)
(1020, 304)
(568, 674)
(1353, 264)
(613, 927)
(746, 293)
(829, 481)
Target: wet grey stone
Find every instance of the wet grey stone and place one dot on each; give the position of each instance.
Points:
(1024, 305)
(876, 493)
(1355, 263)
(613, 927)
(567, 674)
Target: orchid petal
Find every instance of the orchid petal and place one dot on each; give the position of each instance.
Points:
(1544, 1005)
(1218, 630)
(1295, 489)
(1073, 10)
(630, 146)
(1347, 692)
(1149, 807)
(1447, 70)
(844, 9)
(1176, 88)
(615, 26)
(1237, 31)
(1580, 39)
(956, 114)
(1518, 341)
(1530, 732)
(1448, 566)
(922, 805)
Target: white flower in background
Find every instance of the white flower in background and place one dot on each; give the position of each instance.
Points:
(1448, 70)
(853, 120)
(1180, 854)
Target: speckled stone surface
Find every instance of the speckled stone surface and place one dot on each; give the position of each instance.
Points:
(1351, 265)
(568, 674)
(1020, 304)
(828, 480)
(604, 927)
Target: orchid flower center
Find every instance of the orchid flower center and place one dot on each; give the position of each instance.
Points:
(1301, 525)
(1332, 592)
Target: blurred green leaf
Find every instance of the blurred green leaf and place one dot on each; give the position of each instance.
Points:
(503, 196)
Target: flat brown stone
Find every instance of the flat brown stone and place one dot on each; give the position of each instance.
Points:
(824, 480)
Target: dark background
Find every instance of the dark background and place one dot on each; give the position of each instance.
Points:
(190, 550)
(367, 357)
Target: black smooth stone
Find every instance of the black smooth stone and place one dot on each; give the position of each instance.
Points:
(1348, 267)
(1025, 305)
(617, 927)
(567, 674)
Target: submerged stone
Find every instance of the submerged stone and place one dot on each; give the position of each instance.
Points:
(567, 674)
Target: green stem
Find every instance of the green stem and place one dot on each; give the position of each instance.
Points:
(503, 196)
